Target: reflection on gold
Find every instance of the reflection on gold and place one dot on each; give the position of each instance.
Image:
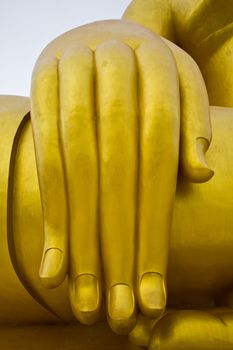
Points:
(91, 204)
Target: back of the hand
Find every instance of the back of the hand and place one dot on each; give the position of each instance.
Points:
(108, 129)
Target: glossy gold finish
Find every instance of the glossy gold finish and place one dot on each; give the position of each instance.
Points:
(122, 133)
(115, 109)
(208, 240)
(203, 28)
(12, 294)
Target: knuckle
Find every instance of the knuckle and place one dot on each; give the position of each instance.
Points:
(79, 56)
(45, 68)
(110, 53)
(43, 78)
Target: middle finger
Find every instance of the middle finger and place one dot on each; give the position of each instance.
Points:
(118, 153)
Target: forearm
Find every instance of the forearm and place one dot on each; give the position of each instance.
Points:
(188, 23)
(153, 14)
(197, 23)
(203, 28)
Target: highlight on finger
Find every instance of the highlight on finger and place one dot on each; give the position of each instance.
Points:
(45, 116)
(116, 78)
(152, 294)
(85, 298)
(121, 308)
(78, 130)
(51, 269)
(158, 157)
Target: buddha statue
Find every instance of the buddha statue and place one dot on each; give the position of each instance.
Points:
(105, 174)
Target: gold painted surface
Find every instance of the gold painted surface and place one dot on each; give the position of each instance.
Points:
(28, 248)
(107, 120)
(186, 329)
(203, 28)
(99, 132)
(195, 287)
(201, 239)
(14, 300)
(66, 337)
(108, 127)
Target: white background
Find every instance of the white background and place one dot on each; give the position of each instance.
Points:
(27, 26)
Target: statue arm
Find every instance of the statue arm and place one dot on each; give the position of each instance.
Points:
(187, 23)
(204, 29)
(153, 14)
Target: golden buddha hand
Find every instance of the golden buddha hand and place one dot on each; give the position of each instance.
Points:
(106, 121)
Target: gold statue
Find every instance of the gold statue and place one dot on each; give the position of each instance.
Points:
(113, 106)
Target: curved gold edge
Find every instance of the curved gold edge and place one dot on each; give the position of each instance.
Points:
(10, 236)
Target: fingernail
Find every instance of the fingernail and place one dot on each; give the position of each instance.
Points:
(152, 293)
(121, 308)
(86, 299)
(120, 302)
(86, 293)
(51, 263)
